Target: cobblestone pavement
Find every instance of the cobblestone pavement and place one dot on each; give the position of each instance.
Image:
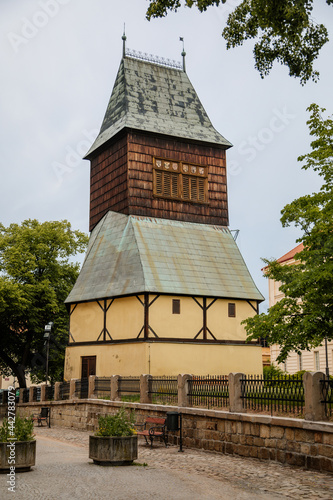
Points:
(191, 475)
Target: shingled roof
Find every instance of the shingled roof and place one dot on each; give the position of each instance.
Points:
(154, 98)
(129, 254)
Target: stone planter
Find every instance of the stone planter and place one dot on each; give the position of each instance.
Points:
(19, 454)
(113, 450)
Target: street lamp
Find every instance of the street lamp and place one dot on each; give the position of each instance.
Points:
(47, 336)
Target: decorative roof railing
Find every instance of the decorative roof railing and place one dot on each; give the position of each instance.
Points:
(161, 61)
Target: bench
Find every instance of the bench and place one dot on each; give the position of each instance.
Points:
(43, 416)
(153, 427)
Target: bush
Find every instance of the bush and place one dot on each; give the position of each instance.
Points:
(117, 425)
(22, 429)
(272, 371)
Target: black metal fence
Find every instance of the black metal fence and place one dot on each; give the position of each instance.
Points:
(327, 395)
(64, 390)
(49, 392)
(164, 390)
(36, 394)
(3, 397)
(129, 388)
(209, 391)
(103, 387)
(26, 393)
(281, 394)
(81, 388)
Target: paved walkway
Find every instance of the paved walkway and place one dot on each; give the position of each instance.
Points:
(64, 471)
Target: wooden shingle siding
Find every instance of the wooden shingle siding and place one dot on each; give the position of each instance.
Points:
(122, 180)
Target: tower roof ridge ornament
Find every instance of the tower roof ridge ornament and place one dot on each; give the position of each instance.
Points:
(181, 38)
(124, 38)
(161, 61)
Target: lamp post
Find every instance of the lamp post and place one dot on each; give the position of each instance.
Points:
(47, 335)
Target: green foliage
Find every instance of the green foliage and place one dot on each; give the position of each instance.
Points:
(284, 31)
(20, 430)
(304, 317)
(36, 275)
(272, 371)
(117, 425)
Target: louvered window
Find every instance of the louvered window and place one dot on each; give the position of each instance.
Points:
(182, 181)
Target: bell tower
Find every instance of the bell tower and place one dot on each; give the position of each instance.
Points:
(157, 153)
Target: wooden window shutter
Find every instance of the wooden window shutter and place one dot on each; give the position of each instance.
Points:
(194, 188)
(174, 185)
(232, 310)
(186, 187)
(159, 182)
(175, 306)
(201, 190)
(166, 184)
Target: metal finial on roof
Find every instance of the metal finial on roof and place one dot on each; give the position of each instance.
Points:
(124, 38)
(183, 53)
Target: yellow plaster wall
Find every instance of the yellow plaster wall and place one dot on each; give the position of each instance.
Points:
(183, 325)
(125, 318)
(203, 359)
(111, 359)
(165, 359)
(86, 322)
(223, 327)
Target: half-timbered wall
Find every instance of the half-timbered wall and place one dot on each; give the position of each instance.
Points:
(122, 180)
(153, 316)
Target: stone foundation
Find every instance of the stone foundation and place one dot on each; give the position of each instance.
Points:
(287, 440)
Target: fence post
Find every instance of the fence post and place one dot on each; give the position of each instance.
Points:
(56, 391)
(21, 396)
(183, 390)
(314, 409)
(31, 394)
(235, 393)
(115, 388)
(72, 387)
(43, 393)
(91, 386)
(145, 394)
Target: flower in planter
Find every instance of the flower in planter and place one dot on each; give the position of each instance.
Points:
(119, 425)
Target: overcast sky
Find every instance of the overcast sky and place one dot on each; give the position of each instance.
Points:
(59, 62)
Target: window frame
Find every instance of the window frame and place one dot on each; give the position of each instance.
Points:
(231, 309)
(176, 170)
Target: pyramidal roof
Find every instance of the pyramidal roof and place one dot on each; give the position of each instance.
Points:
(129, 255)
(156, 98)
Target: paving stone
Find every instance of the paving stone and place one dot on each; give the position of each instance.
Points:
(272, 479)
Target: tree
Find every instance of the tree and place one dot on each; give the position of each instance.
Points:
(304, 317)
(36, 277)
(283, 29)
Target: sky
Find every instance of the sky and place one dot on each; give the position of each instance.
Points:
(59, 62)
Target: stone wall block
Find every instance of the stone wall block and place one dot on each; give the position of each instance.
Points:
(183, 390)
(314, 409)
(115, 395)
(145, 394)
(235, 393)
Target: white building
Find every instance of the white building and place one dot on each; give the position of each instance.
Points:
(313, 360)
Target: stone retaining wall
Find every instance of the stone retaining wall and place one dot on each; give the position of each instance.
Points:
(287, 440)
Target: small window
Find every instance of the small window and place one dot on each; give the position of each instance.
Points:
(180, 181)
(317, 361)
(175, 306)
(232, 310)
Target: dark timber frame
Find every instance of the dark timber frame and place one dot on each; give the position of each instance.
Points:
(207, 335)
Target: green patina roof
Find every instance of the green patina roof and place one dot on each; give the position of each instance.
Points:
(154, 98)
(129, 254)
